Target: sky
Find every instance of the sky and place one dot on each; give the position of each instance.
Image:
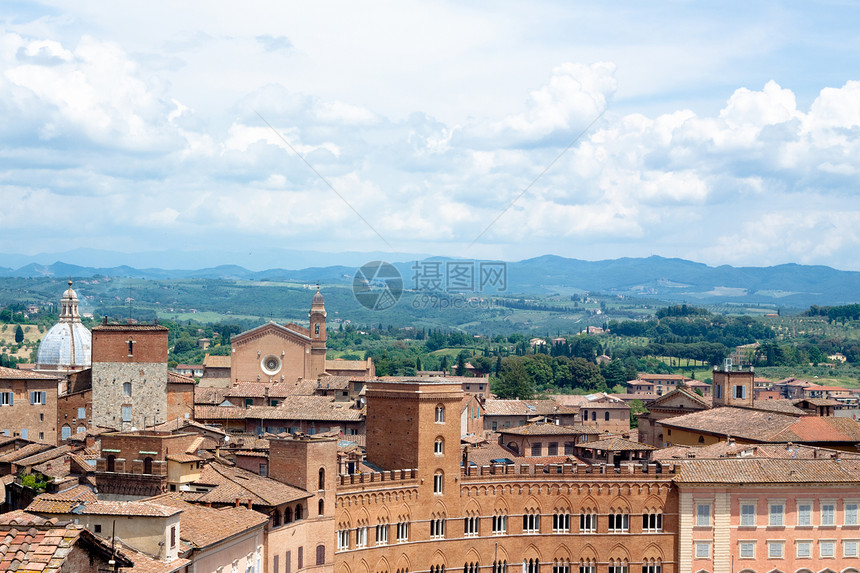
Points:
(720, 132)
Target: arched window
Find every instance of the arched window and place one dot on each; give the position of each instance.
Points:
(531, 566)
(500, 566)
(560, 566)
(590, 566)
(126, 389)
(618, 566)
(320, 554)
(701, 439)
(470, 568)
(147, 465)
(276, 518)
(652, 566)
(606, 416)
(594, 416)
(321, 508)
(322, 479)
(288, 515)
(111, 463)
(298, 512)
(438, 480)
(440, 414)
(439, 446)
(82, 430)
(66, 432)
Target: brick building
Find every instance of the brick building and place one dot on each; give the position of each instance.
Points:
(28, 404)
(420, 511)
(129, 376)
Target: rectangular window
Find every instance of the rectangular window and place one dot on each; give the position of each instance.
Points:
(82, 413)
(288, 562)
(382, 534)
(619, 522)
(851, 513)
(301, 558)
(827, 548)
(568, 448)
(537, 447)
(588, 522)
(828, 514)
(342, 539)
(437, 447)
(172, 536)
(38, 398)
(276, 564)
(740, 392)
(748, 514)
(775, 549)
(264, 470)
(437, 528)
(618, 569)
(652, 522)
(561, 522)
(703, 549)
(360, 537)
(531, 523)
(437, 483)
(500, 524)
(804, 549)
(126, 413)
(471, 526)
(7, 398)
(775, 515)
(25, 433)
(804, 514)
(703, 515)
(402, 531)
(320, 554)
(849, 548)
(747, 549)
(552, 449)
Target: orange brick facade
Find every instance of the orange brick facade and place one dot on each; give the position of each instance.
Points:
(439, 517)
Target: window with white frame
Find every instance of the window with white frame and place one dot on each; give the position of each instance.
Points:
(7, 398)
(531, 522)
(38, 398)
(827, 548)
(703, 515)
(499, 566)
(438, 480)
(587, 566)
(652, 566)
(437, 528)
(775, 549)
(560, 522)
(652, 522)
(617, 566)
(361, 536)
(619, 522)
(804, 549)
(440, 414)
(702, 549)
(382, 534)
(531, 566)
(850, 548)
(804, 514)
(828, 514)
(471, 526)
(850, 511)
(560, 566)
(438, 447)
(746, 549)
(587, 522)
(776, 514)
(402, 531)
(748, 514)
(500, 524)
(343, 539)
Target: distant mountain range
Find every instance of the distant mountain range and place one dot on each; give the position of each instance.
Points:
(788, 285)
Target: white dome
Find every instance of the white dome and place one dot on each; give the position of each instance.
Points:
(67, 344)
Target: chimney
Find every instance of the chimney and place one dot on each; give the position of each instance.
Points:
(236, 503)
(250, 504)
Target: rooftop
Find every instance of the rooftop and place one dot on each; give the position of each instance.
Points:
(766, 471)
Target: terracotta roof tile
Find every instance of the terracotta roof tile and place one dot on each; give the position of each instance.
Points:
(749, 471)
(231, 483)
(25, 452)
(176, 378)
(616, 445)
(195, 522)
(320, 408)
(549, 430)
(15, 374)
(526, 408)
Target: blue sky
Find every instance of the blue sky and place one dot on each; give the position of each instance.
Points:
(725, 133)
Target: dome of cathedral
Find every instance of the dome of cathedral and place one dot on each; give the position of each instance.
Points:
(65, 345)
(68, 344)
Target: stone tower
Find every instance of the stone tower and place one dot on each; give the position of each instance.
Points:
(415, 424)
(317, 333)
(733, 388)
(129, 371)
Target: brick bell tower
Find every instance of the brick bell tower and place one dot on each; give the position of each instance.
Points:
(317, 332)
